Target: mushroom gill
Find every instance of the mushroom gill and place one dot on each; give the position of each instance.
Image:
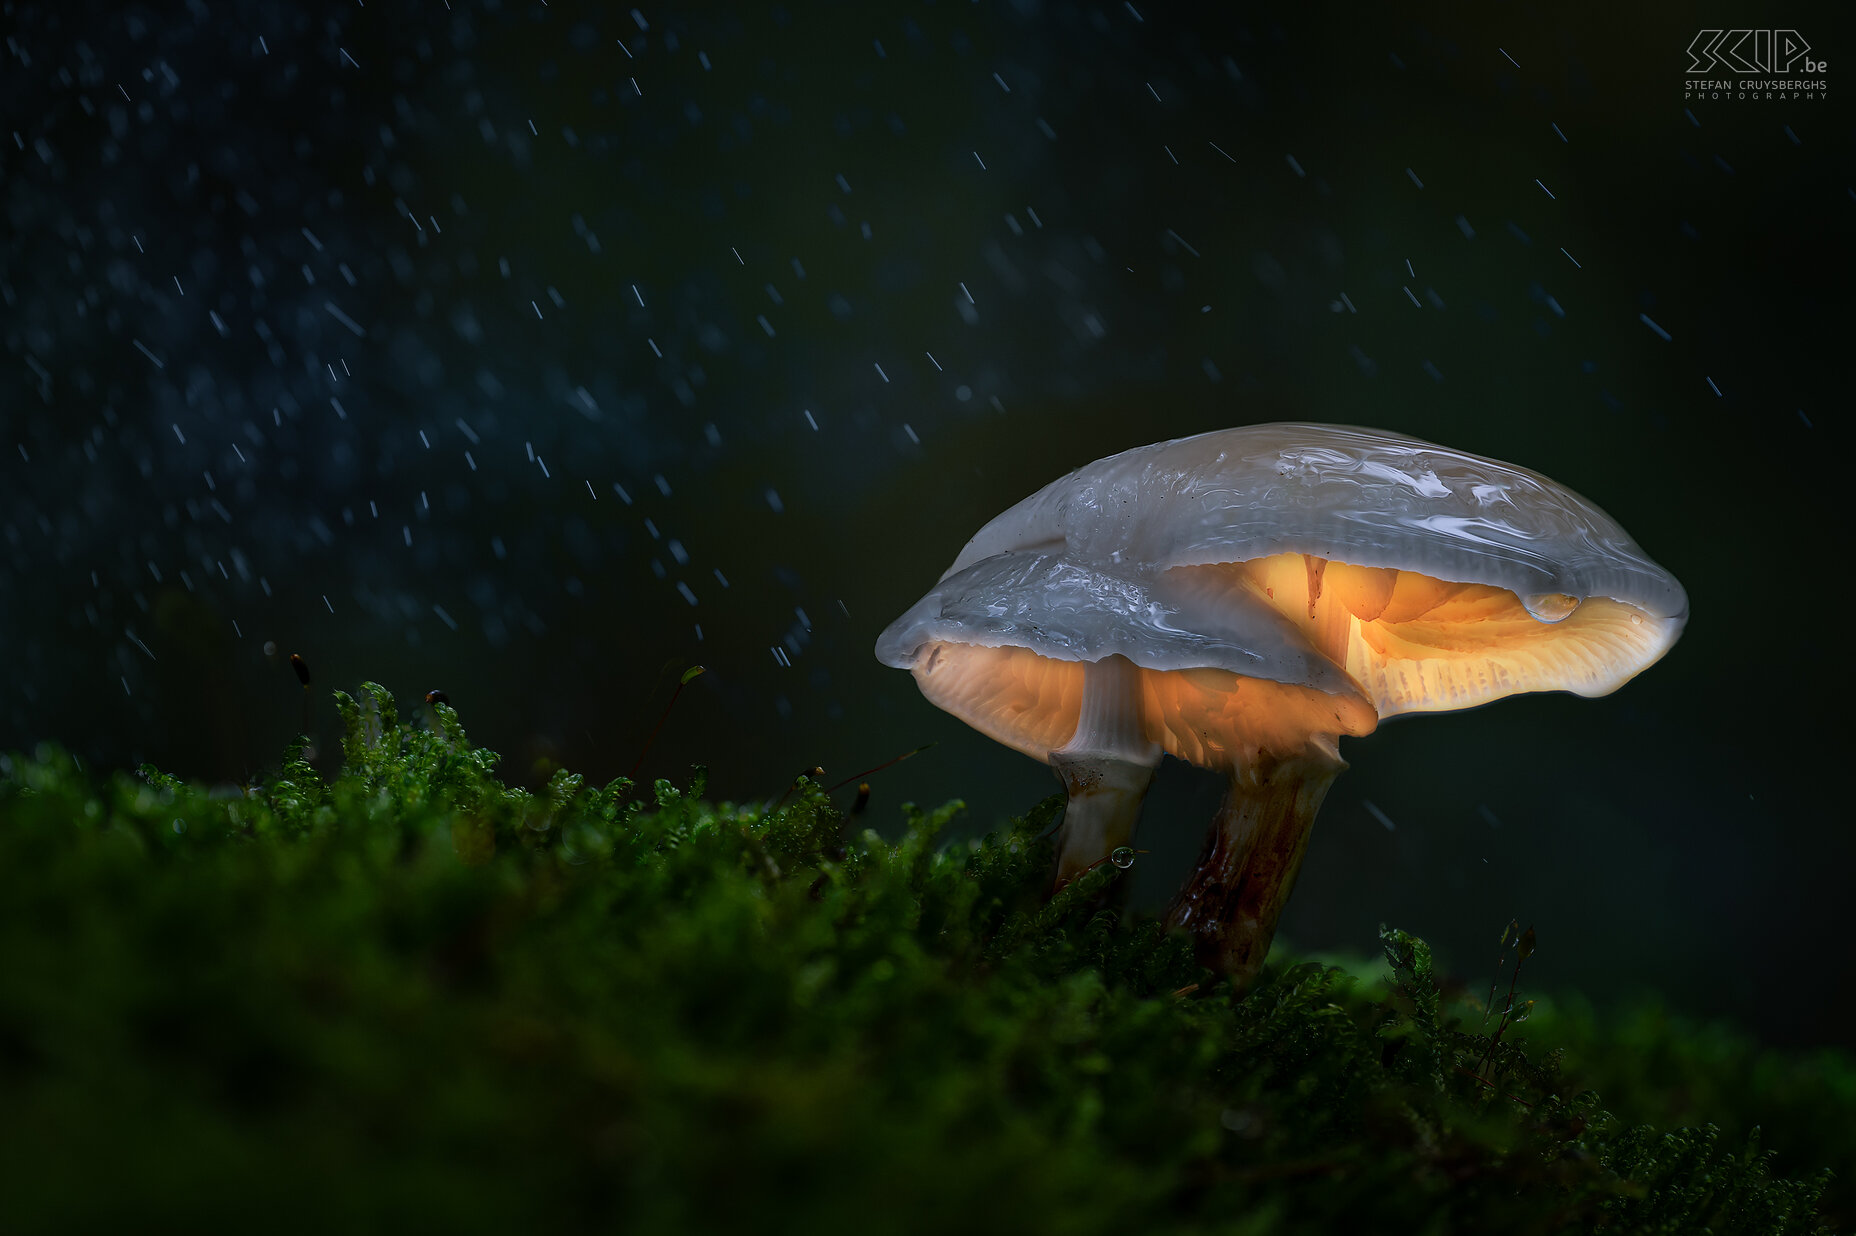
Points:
(1416, 643)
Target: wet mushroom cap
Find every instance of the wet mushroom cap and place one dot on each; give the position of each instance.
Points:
(1436, 578)
(1003, 645)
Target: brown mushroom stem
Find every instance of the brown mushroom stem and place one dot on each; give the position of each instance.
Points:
(1252, 855)
(1105, 768)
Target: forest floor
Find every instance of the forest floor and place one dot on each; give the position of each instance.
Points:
(413, 997)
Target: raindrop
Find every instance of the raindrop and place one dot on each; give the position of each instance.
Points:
(1123, 857)
(1550, 606)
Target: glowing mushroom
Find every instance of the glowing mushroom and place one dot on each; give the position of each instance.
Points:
(1099, 670)
(1242, 599)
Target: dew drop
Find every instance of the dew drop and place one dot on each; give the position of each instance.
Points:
(1550, 606)
(1123, 857)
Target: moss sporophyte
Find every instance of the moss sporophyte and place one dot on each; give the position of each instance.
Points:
(412, 996)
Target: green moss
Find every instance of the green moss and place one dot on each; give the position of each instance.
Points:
(413, 996)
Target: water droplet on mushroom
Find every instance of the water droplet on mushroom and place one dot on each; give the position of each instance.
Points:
(1123, 857)
(1550, 606)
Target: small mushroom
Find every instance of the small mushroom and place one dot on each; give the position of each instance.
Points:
(1099, 670)
(1242, 599)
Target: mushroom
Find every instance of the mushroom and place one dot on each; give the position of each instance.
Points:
(1098, 670)
(1241, 600)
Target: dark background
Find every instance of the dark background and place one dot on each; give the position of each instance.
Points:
(622, 255)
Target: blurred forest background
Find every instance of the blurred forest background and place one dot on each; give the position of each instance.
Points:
(537, 352)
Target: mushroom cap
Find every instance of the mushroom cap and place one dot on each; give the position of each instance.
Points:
(1002, 644)
(1493, 579)
(1362, 496)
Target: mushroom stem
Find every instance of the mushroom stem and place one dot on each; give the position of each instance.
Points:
(1252, 855)
(1105, 802)
(1105, 768)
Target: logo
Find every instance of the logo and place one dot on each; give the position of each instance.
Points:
(1751, 51)
(1753, 64)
